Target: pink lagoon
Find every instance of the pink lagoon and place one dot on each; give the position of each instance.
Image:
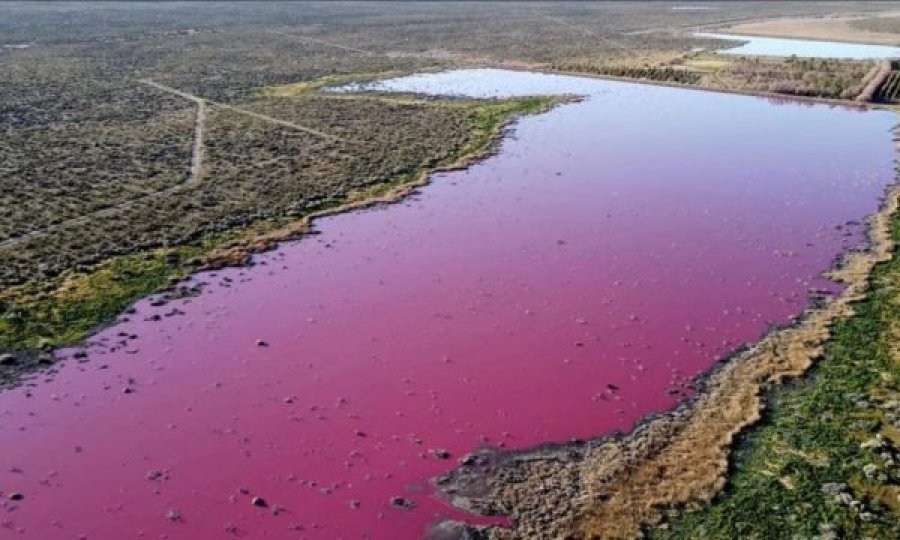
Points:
(614, 249)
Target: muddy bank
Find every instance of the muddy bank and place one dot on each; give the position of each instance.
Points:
(613, 487)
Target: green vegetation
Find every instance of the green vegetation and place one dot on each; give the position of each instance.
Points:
(304, 88)
(808, 77)
(50, 312)
(98, 207)
(825, 461)
(35, 318)
(664, 74)
(488, 118)
(811, 77)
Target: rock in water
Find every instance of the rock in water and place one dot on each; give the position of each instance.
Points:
(7, 359)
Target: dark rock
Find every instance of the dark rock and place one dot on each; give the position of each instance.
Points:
(402, 502)
(471, 460)
(156, 474)
(441, 453)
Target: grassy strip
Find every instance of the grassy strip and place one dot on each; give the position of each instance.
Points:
(824, 462)
(488, 118)
(51, 314)
(304, 88)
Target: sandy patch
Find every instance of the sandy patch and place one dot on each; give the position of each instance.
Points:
(832, 28)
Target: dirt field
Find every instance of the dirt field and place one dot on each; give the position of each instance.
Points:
(852, 28)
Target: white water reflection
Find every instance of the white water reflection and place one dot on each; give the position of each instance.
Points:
(767, 46)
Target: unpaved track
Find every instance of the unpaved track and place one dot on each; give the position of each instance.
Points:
(198, 99)
(875, 80)
(12, 242)
(324, 42)
(197, 154)
(284, 123)
(582, 29)
(195, 176)
(196, 170)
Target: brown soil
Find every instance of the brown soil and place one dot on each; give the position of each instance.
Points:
(874, 80)
(833, 28)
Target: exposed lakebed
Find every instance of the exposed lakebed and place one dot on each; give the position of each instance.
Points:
(613, 249)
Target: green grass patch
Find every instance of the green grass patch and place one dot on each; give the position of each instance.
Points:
(34, 317)
(488, 118)
(302, 88)
(811, 435)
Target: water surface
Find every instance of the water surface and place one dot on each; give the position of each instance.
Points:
(768, 46)
(612, 250)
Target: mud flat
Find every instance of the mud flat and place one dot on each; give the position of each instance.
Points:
(571, 285)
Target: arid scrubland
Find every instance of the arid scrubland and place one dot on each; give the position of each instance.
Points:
(140, 127)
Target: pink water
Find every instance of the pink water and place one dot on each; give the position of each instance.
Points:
(631, 240)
